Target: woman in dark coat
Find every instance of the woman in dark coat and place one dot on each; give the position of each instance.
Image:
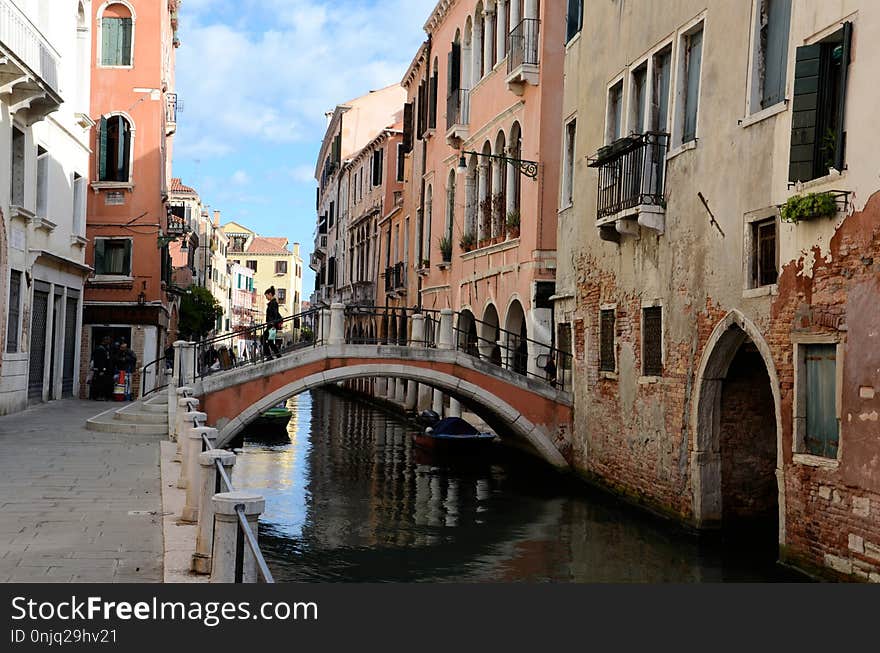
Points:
(273, 323)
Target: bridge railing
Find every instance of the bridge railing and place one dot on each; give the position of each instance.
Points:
(254, 345)
(156, 376)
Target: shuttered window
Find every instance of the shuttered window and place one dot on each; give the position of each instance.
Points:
(432, 110)
(822, 428)
(13, 316)
(607, 362)
(652, 341)
(42, 182)
(693, 65)
(114, 149)
(407, 127)
(378, 165)
(116, 41)
(400, 161)
(773, 41)
(818, 140)
(575, 18)
(113, 257)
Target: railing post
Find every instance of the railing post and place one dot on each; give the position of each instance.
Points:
(187, 418)
(324, 322)
(454, 408)
(417, 334)
(337, 325)
(194, 445)
(184, 362)
(446, 338)
(437, 405)
(184, 405)
(210, 484)
(227, 545)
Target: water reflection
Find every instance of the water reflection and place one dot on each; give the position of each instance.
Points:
(349, 498)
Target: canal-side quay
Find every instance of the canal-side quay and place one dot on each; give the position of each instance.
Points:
(77, 505)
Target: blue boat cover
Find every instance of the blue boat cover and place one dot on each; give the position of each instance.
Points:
(454, 426)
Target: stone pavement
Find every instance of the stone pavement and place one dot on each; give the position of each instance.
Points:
(77, 505)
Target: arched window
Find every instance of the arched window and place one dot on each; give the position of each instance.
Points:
(515, 148)
(114, 157)
(117, 35)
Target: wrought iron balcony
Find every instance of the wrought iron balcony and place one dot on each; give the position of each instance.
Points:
(632, 174)
(28, 64)
(395, 277)
(523, 57)
(458, 110)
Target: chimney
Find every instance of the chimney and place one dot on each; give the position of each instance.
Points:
(216, 218)
(296, 249)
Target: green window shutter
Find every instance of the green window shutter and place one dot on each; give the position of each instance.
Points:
(804, 116)
(692, 94)
(102, 150)
(126, 258)
(125, 29)
(839, 160)
(124, 158)
(822, 428)
(776, 53)
(99, 256)
(574, 9)
(407, 127)
(109, 40)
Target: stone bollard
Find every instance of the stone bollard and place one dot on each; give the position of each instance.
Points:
(210, 485)
(337, 324)
(194, 446)
(187, 418)
(446, 337)
(417, 334)
(184, 405)
(225, 547)
(324, 327)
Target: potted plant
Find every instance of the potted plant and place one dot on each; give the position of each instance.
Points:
(467, 242)
(513, 224)
(446, 249)
(805, 207)
(426, 263)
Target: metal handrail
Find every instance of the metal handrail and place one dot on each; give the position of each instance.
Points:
(245, 533)
(159, 368)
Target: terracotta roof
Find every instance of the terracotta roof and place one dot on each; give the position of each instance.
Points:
(261, 245)
(177, 186)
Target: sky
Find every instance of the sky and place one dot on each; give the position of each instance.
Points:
(256, 78)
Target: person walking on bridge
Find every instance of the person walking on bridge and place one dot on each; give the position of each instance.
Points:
(274, 324)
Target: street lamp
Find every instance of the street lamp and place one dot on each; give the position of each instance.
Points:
(526, 167)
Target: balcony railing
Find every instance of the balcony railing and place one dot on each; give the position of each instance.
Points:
(523, 45)
(395, 277)
(27, 43)
(631, 174)
(458, 108)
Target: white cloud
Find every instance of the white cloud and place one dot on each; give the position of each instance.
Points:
(242, 84)
(304, 174)
(240, 178)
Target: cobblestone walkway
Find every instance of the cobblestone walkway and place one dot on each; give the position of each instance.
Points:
(76, 505)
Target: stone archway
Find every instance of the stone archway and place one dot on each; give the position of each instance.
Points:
(736, 456)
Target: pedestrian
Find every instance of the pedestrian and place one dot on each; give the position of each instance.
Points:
(126, 361)
(274, 324)
(550, 369)
(103, 370)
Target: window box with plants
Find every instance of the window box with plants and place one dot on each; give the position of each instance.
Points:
(445, 252)
(468, 242)
(808, 207)
(513, 224)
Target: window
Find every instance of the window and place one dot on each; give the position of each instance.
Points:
(117, 29)
(818, 139)
(17, 178)
(661, 76)
(652, 341)
(42, 182)
(400, 161)
(281, 295)
(607, 359)
(575, 18)
(638, 99)
(568, 164)
(432, 110)
(79, 204)
(770, 59)
(280, 267)
(331, 218)
(378, 160)
(13, 318)
(764, 253)
(692, 54)
(614, 125)
(114, 149)
(113, 257)
(252, 265)
(816, 417)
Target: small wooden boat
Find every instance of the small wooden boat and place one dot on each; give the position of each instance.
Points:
(453, 434)
(276, 419)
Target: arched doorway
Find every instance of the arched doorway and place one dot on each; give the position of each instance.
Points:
(736, 464)
(517, 338)
(489, 335)
(467, 333)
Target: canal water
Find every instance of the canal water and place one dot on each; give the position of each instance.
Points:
(349, 497)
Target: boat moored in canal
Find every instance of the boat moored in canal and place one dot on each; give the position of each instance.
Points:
(453, 434)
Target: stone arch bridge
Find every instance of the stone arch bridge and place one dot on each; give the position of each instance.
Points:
(535, 409)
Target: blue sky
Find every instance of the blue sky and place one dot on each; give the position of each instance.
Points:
(256, 78)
